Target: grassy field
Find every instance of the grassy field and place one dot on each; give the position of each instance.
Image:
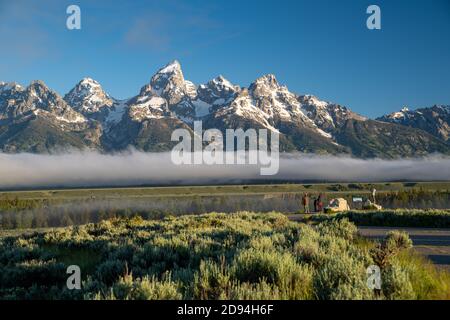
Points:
(56, 208)
(358, 188)
(215, 256)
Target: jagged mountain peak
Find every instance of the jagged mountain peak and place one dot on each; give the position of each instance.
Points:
(88, 97)
(219, 84)
(41, 95)
(170, 73)
(222, 81)
(220, 78)
(86, 86)
(37, 100)
(39, 92)
(169, 82)
(268, 80)
(172, 67)
(38, 85)
(268, 86)
(88, 115)
(88, 82)
(398, 115)
(216, 93)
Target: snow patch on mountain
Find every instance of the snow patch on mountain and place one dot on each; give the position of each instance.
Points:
(202, 108)
(77, 118)
(116, 112)
(191, 89)
(222, 84)
(324, 134)
(402, 114)
(244, 106)
(148, 107)
(171, 68)
(314, 101)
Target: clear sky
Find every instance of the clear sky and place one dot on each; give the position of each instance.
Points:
(317, 47)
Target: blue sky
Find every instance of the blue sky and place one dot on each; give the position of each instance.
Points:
(317, 47)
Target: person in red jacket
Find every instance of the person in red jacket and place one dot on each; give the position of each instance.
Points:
(319, 203)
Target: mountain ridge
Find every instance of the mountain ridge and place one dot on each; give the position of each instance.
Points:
(435, 120)
(89, 117)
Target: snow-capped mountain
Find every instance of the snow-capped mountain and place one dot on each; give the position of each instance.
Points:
(36, 100)
(217, 93)
(434, 120)
(90, 117)
(88, 97)
(327, 116)
(169, 84)
(9, 94)
(37, 119)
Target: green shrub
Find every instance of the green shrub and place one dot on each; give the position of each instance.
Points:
(340, 228)
(146, 288)
(427, 281)
(254, 291)
(396, 284)
(395, 242)
(212, 281)
(307, 251)
(430, 218)
(216, 256)
(398, 240)
(111, 270)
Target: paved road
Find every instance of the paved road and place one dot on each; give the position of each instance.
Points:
(433, 243)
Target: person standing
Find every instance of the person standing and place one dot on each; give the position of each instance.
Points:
(319, 203)
(305, 202)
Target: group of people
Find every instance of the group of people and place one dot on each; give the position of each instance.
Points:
(318, 203)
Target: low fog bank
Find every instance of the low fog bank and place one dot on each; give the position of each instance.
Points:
(84, 169)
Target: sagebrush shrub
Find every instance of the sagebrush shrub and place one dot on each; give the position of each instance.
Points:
(342, 277)
(396, 284)
(212, 281)
(146, 288)
(395, 242)
(215, 256)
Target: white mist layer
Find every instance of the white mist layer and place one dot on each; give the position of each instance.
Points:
(138, 168)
